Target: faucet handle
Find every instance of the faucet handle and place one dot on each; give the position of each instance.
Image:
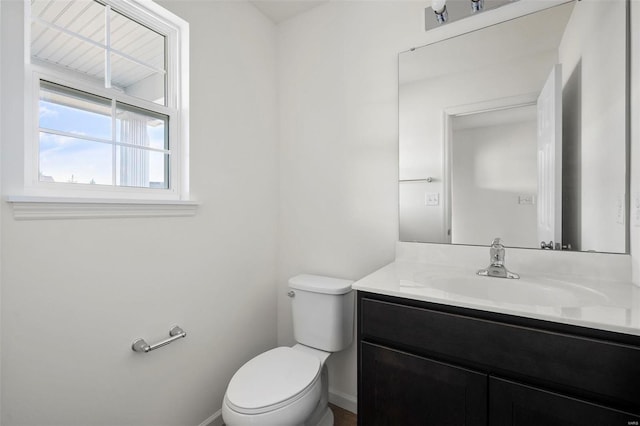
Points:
(496, 252)
(546, 246)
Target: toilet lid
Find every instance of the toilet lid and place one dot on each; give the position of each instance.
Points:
(272, 378)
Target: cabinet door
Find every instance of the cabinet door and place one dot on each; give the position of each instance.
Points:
(514, 404)
(397, 388)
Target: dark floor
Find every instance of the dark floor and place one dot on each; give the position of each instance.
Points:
(342, 417)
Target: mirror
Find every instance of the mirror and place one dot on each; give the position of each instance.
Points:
(519, 130)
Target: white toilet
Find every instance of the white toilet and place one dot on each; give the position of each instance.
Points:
(288, 386)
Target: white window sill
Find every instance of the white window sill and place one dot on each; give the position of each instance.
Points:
(35, 208)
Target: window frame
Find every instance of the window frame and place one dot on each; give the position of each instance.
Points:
(176, 33)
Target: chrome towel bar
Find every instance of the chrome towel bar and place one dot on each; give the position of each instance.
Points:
(140, 345)
(429, 179)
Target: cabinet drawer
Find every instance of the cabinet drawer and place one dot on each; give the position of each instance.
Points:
(596, 368)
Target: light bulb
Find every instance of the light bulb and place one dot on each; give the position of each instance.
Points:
(438, 6)
(477, 5)
(440, 9)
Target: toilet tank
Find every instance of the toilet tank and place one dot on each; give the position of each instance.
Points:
(322, 309)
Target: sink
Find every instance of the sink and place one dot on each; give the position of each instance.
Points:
(547, 292)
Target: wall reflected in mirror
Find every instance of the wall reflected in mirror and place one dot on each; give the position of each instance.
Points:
(519, 130)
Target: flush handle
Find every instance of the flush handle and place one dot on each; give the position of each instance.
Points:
(291, 293)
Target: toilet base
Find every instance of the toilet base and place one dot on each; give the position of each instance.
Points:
(327, 418)
(322, 415)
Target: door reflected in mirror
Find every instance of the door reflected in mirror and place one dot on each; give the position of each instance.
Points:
(519, 130)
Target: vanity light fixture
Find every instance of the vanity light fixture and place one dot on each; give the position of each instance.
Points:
(440, 9)
(448, 11)
(477, 5)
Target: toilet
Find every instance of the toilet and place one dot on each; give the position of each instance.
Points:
(288, 386)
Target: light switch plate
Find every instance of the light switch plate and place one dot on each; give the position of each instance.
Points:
(432, 199)
(526, 199)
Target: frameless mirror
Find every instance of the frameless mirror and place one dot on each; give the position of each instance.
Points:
(519, 130)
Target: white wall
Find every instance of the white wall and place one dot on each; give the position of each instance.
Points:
(339, 140)
(77, 292)
(492, 166)
(594, 27)
(2, 36)
(635, 142)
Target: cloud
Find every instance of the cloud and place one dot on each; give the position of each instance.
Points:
(46, 112)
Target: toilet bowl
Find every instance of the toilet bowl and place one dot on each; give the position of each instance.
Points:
(280, 387)
(288, 386)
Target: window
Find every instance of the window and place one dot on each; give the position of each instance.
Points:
(109, 100)
(88, 139)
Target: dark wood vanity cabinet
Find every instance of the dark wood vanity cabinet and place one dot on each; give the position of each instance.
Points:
(512, 403)
(422, 363)
(404, 389)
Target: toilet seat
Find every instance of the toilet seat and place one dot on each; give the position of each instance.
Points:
(272, 380)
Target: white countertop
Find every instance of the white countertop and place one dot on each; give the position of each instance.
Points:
(587, 302)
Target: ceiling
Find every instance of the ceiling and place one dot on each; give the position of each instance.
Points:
(281, 10)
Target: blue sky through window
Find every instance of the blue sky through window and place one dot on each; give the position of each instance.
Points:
(75, 120)
(80, 160)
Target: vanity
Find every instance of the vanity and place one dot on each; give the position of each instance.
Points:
(495, 139)
(554, 351)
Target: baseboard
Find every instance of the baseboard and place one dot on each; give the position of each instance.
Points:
(342, 400)
(214, 420)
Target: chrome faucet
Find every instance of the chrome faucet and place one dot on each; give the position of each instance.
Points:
(496, 266)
